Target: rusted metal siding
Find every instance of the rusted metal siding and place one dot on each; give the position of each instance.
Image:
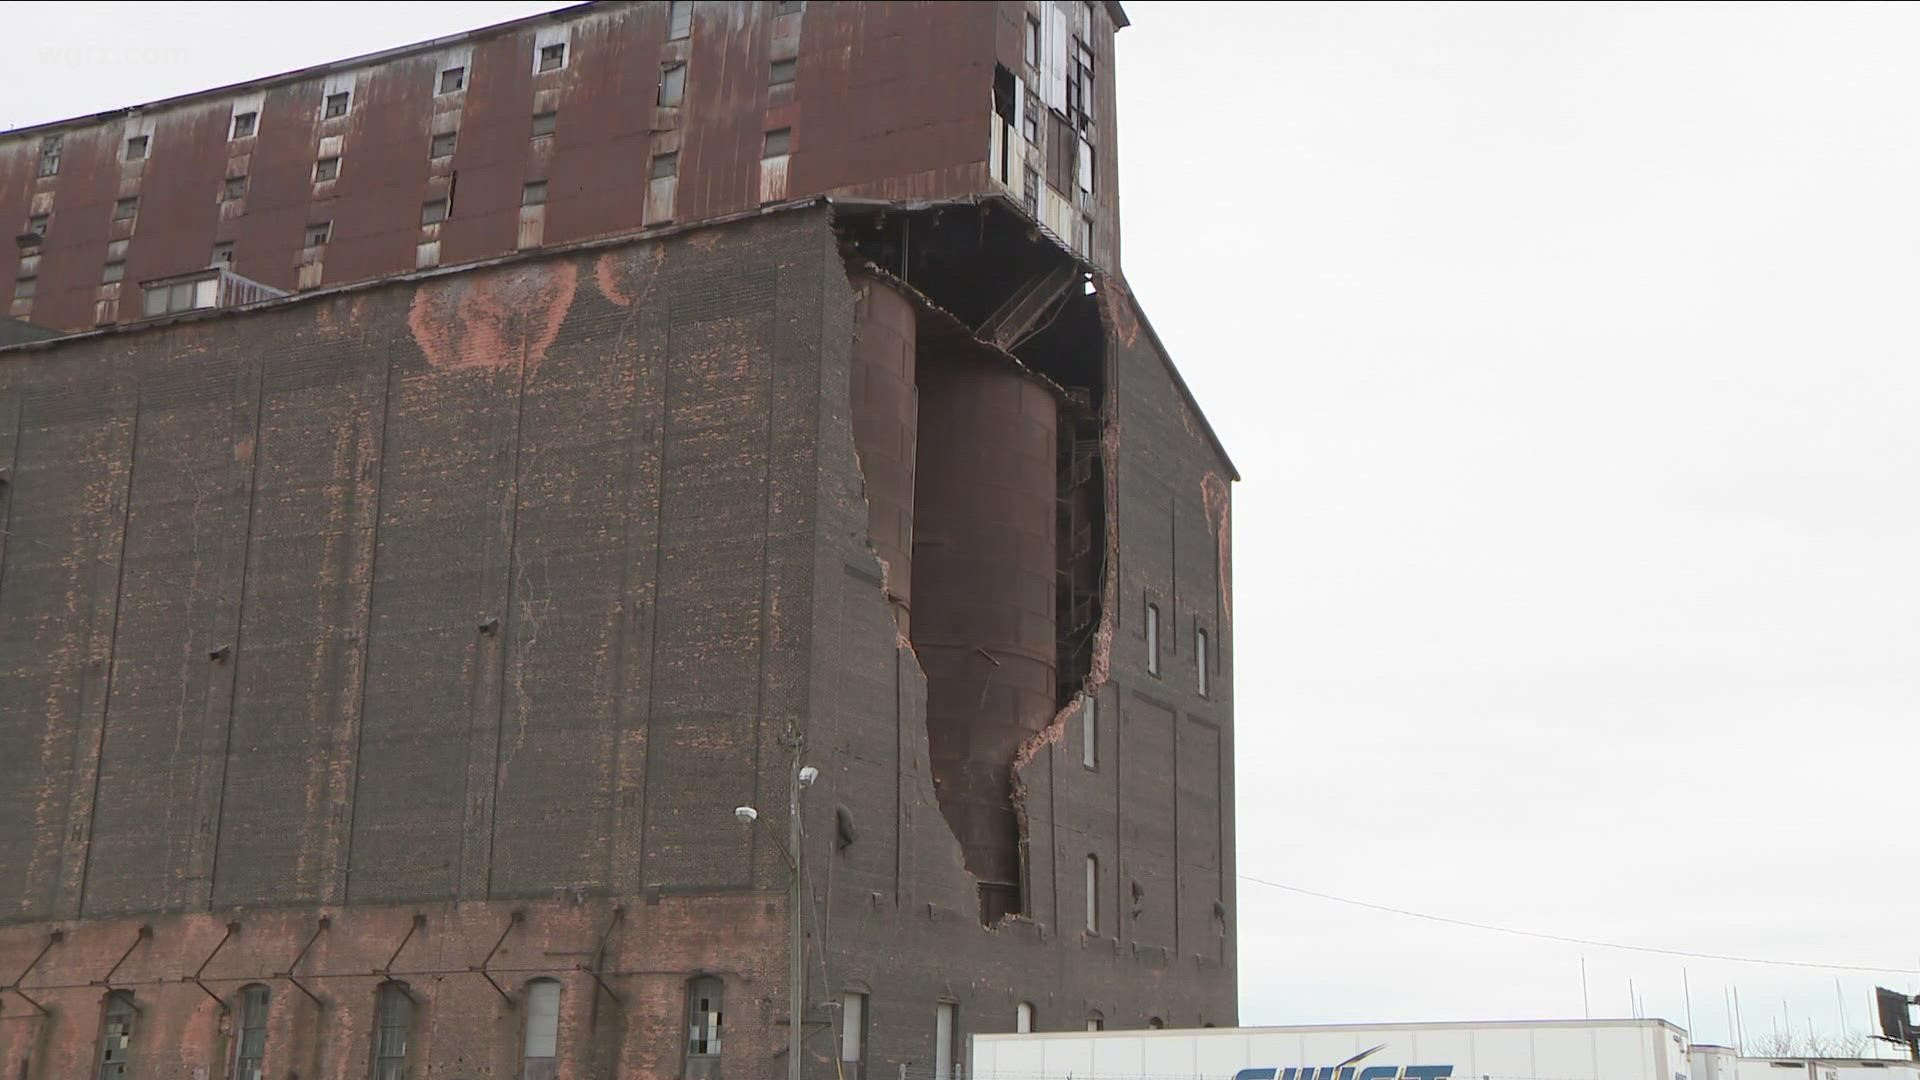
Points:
(892, 99)
(888, 100)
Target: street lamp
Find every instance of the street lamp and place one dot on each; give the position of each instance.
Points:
(800, 777)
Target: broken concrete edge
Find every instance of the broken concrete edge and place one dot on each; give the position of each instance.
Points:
(1102, 662)
(921, 743)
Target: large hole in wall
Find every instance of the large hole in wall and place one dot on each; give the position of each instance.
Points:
(978, 379)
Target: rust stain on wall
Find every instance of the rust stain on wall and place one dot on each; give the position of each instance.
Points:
(1217, 497)
(489, 322)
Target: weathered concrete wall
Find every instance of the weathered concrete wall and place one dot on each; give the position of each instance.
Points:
(429, 596)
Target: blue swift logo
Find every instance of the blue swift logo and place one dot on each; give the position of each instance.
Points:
(1349, 1070)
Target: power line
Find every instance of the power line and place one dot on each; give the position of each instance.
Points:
(1570, 940)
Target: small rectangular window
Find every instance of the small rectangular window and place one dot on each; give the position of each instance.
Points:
(778, 142)
(112, 272)
(1093, 894)
(533, 193)
(789, 7)
(453, 79)
(50, 155)
(125, 209)
(780, 73)
(1090, 733)
(673, 85)
(853, 1028)
(945, 1036)
(222, 254)
(553, 57)
(679, 19)
(24, 288)
(433, 212)
(1023, 1018)
(1200, 659)
(1033, 40)
(663, 166)
(337, 104)
(319, 234)
(1030, 118)
(326, 168)
(544, 123)
(1095, 1023)
(1030, 190)
(1153, 639)
(243, 124)
(442, 145)
(37, 225)
(236, 188)
(136, 148)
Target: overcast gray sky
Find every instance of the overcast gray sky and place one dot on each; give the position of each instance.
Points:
(1569, 354)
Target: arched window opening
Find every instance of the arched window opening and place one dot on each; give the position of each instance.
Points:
(1023, 1018)
(116, 1036)
(543, 1031)
(706, 1004)
(250, 1033)
(393, 1029)
(853, 1034)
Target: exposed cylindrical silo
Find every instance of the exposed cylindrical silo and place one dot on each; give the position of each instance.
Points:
(884, 426)
(984, 568)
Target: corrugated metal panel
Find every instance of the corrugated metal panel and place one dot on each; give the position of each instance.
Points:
(1056, 42)
(660, 194)
(773, 178)
(533, 226)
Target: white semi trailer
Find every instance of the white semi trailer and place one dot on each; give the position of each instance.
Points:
(1520, 1050)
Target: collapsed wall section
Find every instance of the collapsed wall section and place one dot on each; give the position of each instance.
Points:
(984, 560)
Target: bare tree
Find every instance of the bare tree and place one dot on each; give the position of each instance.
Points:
(1786, 1043)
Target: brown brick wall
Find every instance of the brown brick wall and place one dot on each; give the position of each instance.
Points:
(462, 1025)
(250, 668)
(425, 597)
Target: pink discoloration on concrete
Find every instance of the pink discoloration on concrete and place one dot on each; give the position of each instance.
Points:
(486, 322)
(630, 277)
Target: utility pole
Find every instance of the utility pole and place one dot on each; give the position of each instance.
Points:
(798, 776)
(796, 944)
